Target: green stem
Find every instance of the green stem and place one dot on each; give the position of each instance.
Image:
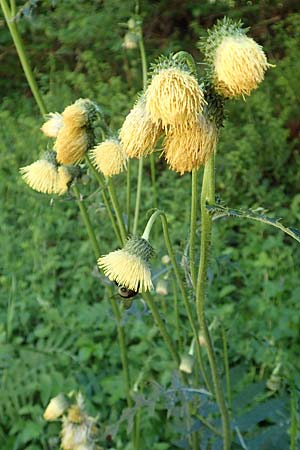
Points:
(116, 206)
(86, 219)
(185, 298)
(22, 55)
(226, 365)
(193, 227)
(208, 195)
(138, 196)
(105, 198)
(123, 351)
(121, 335)
(128, 195)
(159, 322)
(176, 309)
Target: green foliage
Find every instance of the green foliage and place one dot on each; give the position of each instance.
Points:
(57, 331)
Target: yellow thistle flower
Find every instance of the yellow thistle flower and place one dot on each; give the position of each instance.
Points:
(79, 430)
(44, 176)
(239, 66)
(52, 126)
(139, 134)
(71, 144)
(188, 149)
(129, 267)
(174, 97)
(56, 407)
(109, 157)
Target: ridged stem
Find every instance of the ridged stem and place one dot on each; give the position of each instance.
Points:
(22, 54)
(128, 195)
(116, 206)
(105, 199)
(138, 196)
(193, 227)
(115, 308)
(226, 366)
(208, 195)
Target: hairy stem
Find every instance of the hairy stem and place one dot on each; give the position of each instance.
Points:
(105, 199)
(128, 195)
(22, 54)
(115, 203)
(208, 195)
(193, 227)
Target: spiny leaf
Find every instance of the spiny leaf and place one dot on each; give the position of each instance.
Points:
(218, 211)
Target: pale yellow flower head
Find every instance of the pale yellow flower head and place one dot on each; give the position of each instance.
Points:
(139, 133)
(72, 144)
(80, 114)
(174, 98)
(44, 176)
(56, 407)
(52, 126)
(239, 66)
(79, 430)
(190, 148)
(109, 157)
(129, 267)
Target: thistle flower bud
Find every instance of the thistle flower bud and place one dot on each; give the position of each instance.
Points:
(186, 364)
(52, 126)
(188, 149)
(238, 62)
(56, 407)
(76, 135)
(139, 134)
(131, 41)
(174, 98)
(129, 267)
(162, 287)
(109, 157)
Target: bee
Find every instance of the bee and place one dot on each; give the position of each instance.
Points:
(126, 295)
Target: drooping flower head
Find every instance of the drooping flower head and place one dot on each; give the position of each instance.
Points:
(79, 430)
(129, 266)
(109, 157)
(139, 133)
(174, 96)
(190, 148)
(76, 135)
(45, 176)
(238, 62)
(56, 407)
(52, 125)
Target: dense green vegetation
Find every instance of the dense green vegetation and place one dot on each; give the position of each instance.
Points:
(57, 331)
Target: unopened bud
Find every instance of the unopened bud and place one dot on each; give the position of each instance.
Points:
(56, 407)
(162, 287)
(165, 259)
(186, 364)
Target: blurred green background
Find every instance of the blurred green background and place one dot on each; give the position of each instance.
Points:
(55, 332)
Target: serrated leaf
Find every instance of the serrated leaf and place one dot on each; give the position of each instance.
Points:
(219, 211)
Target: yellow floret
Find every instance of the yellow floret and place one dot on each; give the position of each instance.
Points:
(109, 157)
(139, 134)
(174, 98)
(43, 176)
(71, 144)
(188, 149)
(239, 66)
(52, 126)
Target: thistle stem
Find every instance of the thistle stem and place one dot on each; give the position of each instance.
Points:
(208, 195)
(128, 195)
(115, 308)
(193, 227)
(138, 196)
(159, 322)
(226, 365)
(105, 199)
(87, 222)
(22, 54)
(163, 218)
(116, 206)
